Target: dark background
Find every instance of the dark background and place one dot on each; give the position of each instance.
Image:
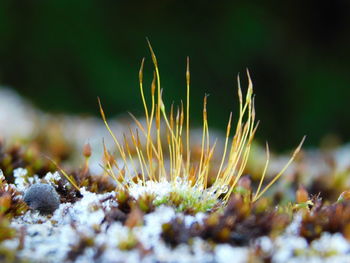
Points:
(63, 54)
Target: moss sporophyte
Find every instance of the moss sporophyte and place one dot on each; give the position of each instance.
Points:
(159, 154)
(165, 154)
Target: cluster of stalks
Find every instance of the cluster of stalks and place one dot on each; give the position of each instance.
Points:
(171, 160)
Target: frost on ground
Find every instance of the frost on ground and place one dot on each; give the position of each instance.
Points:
(50, 239)
(79, 232)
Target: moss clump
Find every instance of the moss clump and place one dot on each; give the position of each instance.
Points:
(239, 224)
(326, 218)
(11, 201)
(16, 156)
(146, 203)
(242, 222)
(189, 201)
(125, 200)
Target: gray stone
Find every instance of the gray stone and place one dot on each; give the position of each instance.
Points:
(42, 197)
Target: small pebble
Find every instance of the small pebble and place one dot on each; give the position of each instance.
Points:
(42, 197)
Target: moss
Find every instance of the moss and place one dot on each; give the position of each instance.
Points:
(17, 156)
(146, 203)
(11, 201)
(6, 232)
(129, 243)
(189, 201)
(326, 218)
(240, 223)
(125, 200)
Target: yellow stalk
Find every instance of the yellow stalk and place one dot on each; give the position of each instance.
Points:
(112, 174)
(158, 111)
(188, 76)
(264, 171)
(159, 145)
(107, 157)
(69, 178)
(141, 90)
(235, 156)
(207, 165)
(171, 159)
(228, 129)
(297, 150)
(180, 145)
(120, 149)
(178, 132)
(203, 135)
(172, 144)
(137, 147)
(129, 153)
(243, 163)
(140, 153)
(160, 107)
(148, 137)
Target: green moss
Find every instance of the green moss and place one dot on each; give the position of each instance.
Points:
(190, 201)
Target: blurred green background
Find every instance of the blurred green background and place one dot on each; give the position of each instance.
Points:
(63, 54)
